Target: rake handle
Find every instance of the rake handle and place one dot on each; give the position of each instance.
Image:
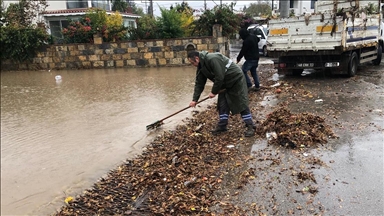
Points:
(183, 109)
(159, 122)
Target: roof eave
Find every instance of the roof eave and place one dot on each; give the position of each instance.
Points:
(83, 13)
(64, 14)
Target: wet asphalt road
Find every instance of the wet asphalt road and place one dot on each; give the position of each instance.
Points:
(355, 184)
(352, 184)
(347, 171)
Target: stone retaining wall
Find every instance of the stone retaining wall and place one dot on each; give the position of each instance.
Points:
(145, 53)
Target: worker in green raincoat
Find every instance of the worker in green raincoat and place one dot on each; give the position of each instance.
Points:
(225, 75)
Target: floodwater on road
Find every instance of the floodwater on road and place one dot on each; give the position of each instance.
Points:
(60, 134)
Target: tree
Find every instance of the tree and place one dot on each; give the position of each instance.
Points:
(170, 24)
(24, 13)
(186, 17)
(20, 37)
(138, 11)
(223, 15)
(119, 5)
(126, 6)
(246, 21)
(2, 12)
(147, 28)
(260, 9)
(132, 8)
(183, 8)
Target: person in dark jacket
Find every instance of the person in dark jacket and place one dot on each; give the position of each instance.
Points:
(250, 51)
(228, 83)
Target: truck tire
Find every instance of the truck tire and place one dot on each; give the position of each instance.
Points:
(352, 65)
(379, 56)
(265, 52)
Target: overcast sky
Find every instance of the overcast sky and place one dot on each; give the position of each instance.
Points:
(195, 4)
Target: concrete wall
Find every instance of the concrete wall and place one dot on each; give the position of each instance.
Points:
(145, 53)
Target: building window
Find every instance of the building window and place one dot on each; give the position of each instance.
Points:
(129, 23)
(102, 4)
(132, 24)
(313, 4)
(72, 4)
(125, 23)
(56, 27)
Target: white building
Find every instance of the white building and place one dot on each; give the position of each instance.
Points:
(302, 6)
(57, 13)
(298, 6)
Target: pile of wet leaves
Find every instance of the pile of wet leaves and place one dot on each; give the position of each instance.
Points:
(186, 171)
(295, 130)
(177, 174)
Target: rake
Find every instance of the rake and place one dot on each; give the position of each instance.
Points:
(160, 122)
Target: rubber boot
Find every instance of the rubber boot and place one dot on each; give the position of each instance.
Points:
(250, 130)
(219, 129)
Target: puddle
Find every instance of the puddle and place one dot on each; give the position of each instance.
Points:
(269, 100)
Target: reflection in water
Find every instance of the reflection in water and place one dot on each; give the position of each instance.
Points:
(59, 136)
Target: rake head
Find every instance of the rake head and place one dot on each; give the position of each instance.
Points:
(155, 125)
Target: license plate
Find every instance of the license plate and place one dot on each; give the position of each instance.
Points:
(305, 64)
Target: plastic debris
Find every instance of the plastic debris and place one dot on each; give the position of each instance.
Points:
(186, 183)
(58, 77)
(68, 200)
(271, 135)
(275, 85)
(275, 77)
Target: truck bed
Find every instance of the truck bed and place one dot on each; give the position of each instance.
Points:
(322, 32)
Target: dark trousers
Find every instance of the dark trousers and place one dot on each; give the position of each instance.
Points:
(223, 108)
(251, 65)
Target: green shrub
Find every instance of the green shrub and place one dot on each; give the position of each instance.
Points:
(146, 29)
(21, 43)
(96, 21)
(171, 24)
(113, 29)
(79, 31)
(98, 17)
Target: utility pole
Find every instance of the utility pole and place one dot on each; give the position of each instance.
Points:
(284, 9)
(151, 7)
(205, 5)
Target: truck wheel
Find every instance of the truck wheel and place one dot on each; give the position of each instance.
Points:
(379, 56)
(297, 72)
(294, 72)
(265, 52)
(352, 65)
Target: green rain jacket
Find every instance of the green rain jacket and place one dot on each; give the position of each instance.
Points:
(225, 75)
